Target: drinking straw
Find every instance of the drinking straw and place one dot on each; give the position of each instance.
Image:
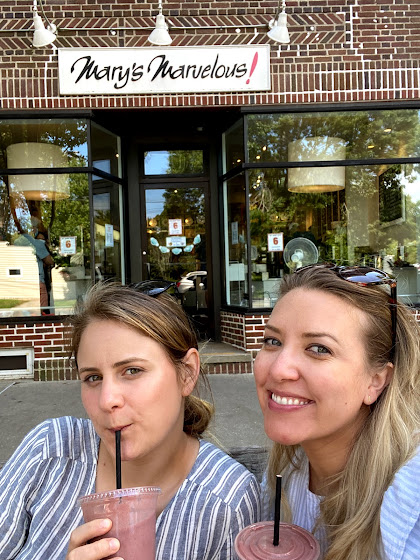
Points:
(277, 511)
(118, 457)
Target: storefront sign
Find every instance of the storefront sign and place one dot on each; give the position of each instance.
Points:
(235, 233)
(172, 70)
(175, 226)
(275, 241)
(179, 241)
(109, 235)
(68, 245)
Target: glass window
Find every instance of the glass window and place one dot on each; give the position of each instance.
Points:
(374, 221)
(45, 215)
(369, 134)
(106, 152)
(234, 149)
(236, 261)
(108, 234)
(176, 239)
(48, 242)
(23, 136)
(174, 162)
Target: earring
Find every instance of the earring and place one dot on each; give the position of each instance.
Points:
(368, 399)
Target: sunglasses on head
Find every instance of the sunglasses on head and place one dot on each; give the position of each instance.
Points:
(366, 276)
(153, 287)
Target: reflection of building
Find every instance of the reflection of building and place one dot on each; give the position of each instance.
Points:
(303, 156)
(18, 276)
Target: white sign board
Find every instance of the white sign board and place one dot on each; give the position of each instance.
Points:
(235, 233)
(68, 245)
(275, 241)
(179, 241)
(175, 226)
(109, 235)
(156, 70)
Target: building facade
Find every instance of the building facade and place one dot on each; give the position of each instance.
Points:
(221, 161)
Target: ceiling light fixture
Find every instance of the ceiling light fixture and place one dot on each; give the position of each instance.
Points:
(42, 36)
(160, 35)
(48, 186)
(316, 179)
(278, 26)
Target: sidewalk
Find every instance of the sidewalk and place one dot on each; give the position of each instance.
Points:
(24, 404)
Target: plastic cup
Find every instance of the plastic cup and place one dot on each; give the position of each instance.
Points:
(255, 542)
(133, 515)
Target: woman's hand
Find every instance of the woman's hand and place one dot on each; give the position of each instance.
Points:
(103, 548)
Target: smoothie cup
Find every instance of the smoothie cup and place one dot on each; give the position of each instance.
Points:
(255, 542)
(133, 515)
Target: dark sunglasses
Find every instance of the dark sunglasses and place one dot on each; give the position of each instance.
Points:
(153, 287)
(366, 276)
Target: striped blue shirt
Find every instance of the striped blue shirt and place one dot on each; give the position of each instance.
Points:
(399, 518)
(56, 464)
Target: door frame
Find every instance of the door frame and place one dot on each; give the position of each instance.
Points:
(178, 183)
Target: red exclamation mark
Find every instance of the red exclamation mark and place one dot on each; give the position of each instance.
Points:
(253, 65)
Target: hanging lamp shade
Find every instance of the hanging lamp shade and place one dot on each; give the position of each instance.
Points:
(317, 179)
(42, 36)
(37, 187)
(160, 35)
(278, 29)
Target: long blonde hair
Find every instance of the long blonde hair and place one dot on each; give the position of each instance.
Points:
(160, 318)
(390, 435)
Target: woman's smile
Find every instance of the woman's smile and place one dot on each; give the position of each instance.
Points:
(289, 400)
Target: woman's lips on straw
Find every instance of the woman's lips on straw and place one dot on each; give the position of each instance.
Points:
(119, 428)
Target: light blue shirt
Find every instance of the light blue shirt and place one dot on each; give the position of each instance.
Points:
(56, 464)
(40, 250)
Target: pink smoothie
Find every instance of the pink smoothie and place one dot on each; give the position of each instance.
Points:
(137, 542)
(133, 515)
(255, 542)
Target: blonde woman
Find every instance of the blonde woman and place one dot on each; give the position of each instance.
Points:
(138, 365)
(338, 382)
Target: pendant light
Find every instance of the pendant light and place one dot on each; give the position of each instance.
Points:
(316, 179)
(160, 35)
(49, 186)
(42, 37)
(278, 26)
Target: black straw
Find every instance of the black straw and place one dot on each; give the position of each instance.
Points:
(118, 457)
(277, 511)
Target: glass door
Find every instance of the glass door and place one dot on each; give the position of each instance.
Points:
(175, 244)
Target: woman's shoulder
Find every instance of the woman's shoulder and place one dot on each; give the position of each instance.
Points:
(405, 486)
(222, 475)
(400, 510)
(70, 437)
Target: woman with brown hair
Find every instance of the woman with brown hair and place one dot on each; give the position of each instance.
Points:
(338, 380)
(138, 363)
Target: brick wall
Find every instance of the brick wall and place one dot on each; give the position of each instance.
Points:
(232, 328)
(243, 331)
(339, 50)
(50, 342)
(234, 367)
